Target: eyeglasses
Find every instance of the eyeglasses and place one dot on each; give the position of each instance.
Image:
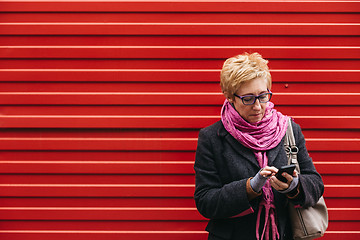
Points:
(251, 99)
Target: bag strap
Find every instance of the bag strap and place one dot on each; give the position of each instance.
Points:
(290, 146)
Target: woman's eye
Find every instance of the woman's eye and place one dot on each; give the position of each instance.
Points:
(248, 99)
(263, 96)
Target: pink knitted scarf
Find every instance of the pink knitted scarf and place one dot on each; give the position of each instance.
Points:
(260, 137)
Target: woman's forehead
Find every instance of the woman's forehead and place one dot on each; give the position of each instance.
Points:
(254, 86)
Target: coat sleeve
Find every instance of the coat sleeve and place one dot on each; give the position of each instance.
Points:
(214, 199)
(311, 184)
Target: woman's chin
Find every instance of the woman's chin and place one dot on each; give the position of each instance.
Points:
(255, 118)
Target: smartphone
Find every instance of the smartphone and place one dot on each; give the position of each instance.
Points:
(288, 169)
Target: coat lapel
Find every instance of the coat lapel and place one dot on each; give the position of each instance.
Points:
(238, 147)
(246, 152)
(272, 153)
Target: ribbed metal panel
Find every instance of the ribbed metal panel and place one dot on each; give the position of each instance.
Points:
(101, 104)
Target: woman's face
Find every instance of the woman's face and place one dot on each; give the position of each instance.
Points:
(255, 112)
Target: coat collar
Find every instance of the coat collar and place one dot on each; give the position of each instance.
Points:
(247, 153)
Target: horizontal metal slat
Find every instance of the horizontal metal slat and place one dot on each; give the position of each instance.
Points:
(340, 203)
(174, 110)
(327, 144)
(113, 98)
(132, 202)
(111, 75)
(178, 52)
(179, 6)
(328, 122)
(107, 121)
(338, 168)
(166, 17)
(334, 156)
(157, 121)
(344, 214)
(168, 40)
(143, 29)
(176, 156)
(135, 87)
(101, 134)
(167, 87)
(150, 144)
(85, 179)
(105, 156)
(336, 235)
(167, 75)
(299, 64)
(140, 167)
(313, 76)
(343, 179)
(172, 98)
(97, 190)
(146, 167)
(339, 191)
(19, 225)
(94, 213)
(147, 202)
(127, 144)
(321, 99)
(135, 235)
(101, 235)
(330, 202)
(108, 225)
(133, 190)
(98, 167)
(320, 144)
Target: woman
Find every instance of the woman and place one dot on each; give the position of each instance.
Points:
(237, 158)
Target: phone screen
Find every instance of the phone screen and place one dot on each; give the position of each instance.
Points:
(288, 169)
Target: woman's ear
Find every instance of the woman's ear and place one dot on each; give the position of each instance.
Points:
(231, 100)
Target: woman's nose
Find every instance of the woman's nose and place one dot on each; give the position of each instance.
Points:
(257, 104)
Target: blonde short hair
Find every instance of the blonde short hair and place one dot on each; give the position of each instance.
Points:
(242, 68)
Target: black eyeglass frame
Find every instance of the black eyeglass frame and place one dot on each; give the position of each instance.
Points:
(255, 97)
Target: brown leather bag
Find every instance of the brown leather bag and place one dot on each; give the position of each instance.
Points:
(307, 223)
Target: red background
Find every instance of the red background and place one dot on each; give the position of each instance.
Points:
(101, 103)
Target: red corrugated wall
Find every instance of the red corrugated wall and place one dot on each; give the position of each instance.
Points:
(101, 103)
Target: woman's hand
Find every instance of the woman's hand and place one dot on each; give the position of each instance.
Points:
(279, 185)
(259, 180)
(268, 171)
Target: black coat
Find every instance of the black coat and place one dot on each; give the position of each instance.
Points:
(223, 166)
